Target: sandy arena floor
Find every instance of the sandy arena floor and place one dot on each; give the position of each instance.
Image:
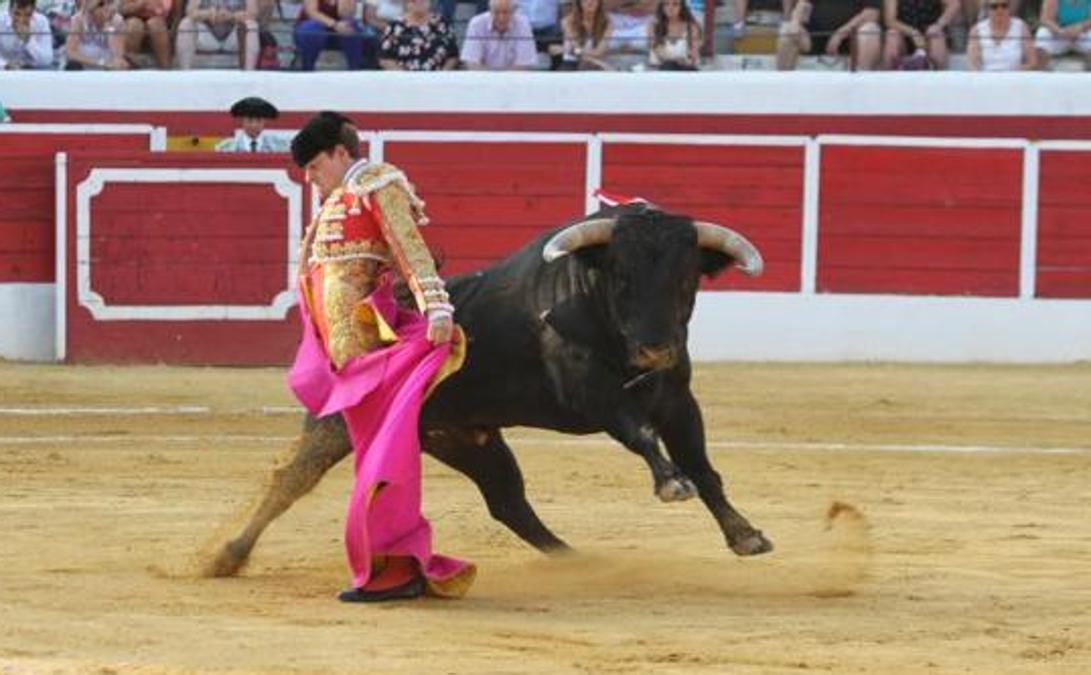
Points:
(949, 561)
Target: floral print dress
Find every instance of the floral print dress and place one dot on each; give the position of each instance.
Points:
(425, 47)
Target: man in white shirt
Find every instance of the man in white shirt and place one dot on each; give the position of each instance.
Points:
(499, 39)
(25, 38)
(253, 112)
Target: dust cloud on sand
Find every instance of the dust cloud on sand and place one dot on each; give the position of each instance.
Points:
(832, 558)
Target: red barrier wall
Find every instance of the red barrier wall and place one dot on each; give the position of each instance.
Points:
(931, 221)
(1064, 225)
(485, 200)
(27, 194)
(205, 123)
(158, 247)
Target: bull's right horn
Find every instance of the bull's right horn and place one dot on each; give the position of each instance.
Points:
(573, 237)
(720, 238)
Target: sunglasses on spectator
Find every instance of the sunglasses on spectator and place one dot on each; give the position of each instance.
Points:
(998, 5)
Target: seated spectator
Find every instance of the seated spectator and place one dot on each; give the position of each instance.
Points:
(832, 28)
(1000, 42)
(96, 39)
(148, 20)
(219, 26)
(587, 32)
(499, 39)
(918, 28)
(419, 41)
(1065, 28)
(629, 21)
(331, 24)
(253, 113)
(674, 37)
(25, 40)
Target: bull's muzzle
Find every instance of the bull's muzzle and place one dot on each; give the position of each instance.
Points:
(655, 357)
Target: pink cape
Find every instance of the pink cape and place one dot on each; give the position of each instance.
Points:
(380, 396)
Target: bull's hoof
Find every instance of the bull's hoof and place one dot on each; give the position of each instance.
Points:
(226, 563)
(754, 543)
(677, 489)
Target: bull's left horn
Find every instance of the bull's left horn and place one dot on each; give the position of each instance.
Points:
(573, 237)
(720, 238)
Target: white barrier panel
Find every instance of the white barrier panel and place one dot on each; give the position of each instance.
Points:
(793, 327)
(26, 331)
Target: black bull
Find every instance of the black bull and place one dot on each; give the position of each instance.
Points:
(581, 331)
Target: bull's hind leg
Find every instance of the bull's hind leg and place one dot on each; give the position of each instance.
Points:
(484, 457)
(324, 442)
(682, 429)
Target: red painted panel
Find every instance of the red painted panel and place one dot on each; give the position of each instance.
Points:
(753, 189)
(181, 244)
(26, 192)
(486, 200)
(168, 263)
(1064, 225)
(935, 221)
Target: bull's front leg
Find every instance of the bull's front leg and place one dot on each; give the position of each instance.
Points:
(323, 443)
(628, 425)
(679, 423)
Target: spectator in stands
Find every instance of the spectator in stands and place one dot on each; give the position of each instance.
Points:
(332, 24)
(148, 20)
(96, 39)
(1000, 42)
(25, 40)
(253, 114)
(587, 32)
(499, 39)
(832, 28)
(917, 30)
(219, 26)
(674, 37)
(419, 41)
(1065, 28)
(629, 21)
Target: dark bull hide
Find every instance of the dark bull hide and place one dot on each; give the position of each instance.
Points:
(583, 330)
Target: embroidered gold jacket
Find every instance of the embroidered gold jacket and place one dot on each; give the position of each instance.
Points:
(364, 227)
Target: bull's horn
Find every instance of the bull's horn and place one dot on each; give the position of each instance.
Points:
(720, 238)
(585, 233)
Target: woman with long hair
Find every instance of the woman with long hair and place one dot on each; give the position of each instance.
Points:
(586, 36)
(674, 36)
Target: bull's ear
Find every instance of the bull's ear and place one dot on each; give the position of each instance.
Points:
(714, 262)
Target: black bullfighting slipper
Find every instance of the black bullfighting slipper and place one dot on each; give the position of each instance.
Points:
(414, 588)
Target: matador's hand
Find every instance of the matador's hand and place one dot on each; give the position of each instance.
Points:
(441, 326)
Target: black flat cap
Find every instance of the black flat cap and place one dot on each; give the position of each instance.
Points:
(252, 106)
(321, 133)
